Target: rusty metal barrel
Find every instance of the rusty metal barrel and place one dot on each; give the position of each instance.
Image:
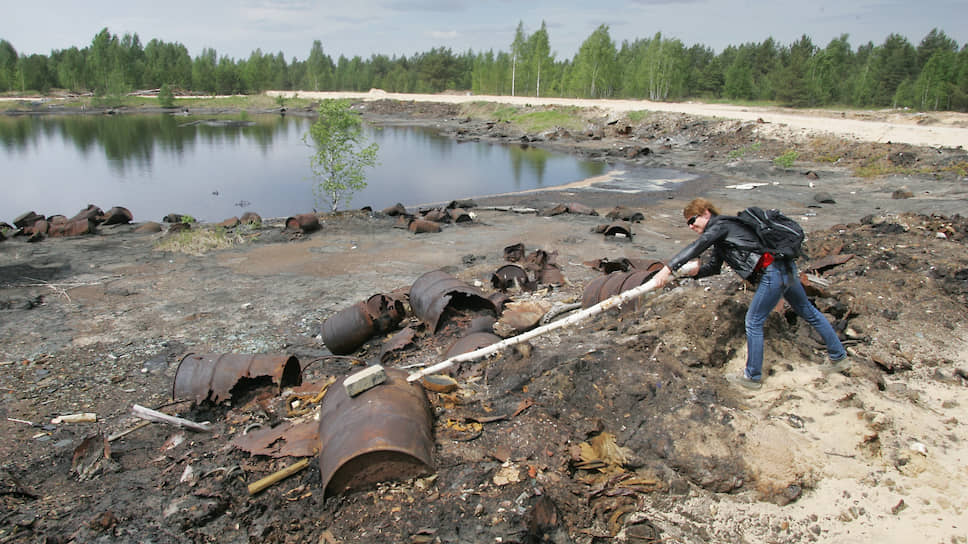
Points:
(74, 227)
(117, 215)
(348, 329)
(213, 376)
(382, 434)
(306, 222)
(421, 226)
(609, 285)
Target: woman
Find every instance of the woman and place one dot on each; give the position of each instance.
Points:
(738, 246)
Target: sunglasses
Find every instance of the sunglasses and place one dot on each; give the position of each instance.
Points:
(691, 220)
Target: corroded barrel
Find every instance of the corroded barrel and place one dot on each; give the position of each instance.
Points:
(384, 433)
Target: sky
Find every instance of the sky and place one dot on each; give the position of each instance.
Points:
(236, 28)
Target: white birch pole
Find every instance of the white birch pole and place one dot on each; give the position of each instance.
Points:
(607, 304)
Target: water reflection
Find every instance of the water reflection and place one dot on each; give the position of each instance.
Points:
(204, 165)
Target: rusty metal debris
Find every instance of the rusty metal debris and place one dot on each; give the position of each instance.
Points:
(347, 330)
(436, 215)
(619, 228)
(521, 316)
(249, 218)
(398, 343)
(421, 226)
(91, 212)
(603, 287)
(510, 276)
(288, 439)
(471, 342)
(212, 377)
(460, 215)
(829, 261)
(306, 222)
(514, 253)
(381, 434)
(439, 383)
(625, 214)
(571, 207)
(26, 219)
(91, 457)
(621, 264)
(434, 292)
(396, 209)
(539, 265)
(176, 218)
(499, 300)
(74, 227)
(117, 215)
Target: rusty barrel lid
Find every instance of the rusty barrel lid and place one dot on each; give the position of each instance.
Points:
(384, 433)
(508, 276)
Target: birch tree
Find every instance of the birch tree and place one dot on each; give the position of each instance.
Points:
(540, 53)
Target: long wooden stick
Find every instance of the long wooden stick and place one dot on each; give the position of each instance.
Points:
(607, 304)
(154, 415)
(271, 479)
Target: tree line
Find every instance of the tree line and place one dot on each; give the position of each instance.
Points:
(930, 76)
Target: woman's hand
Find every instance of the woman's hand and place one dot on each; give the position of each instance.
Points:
(661, 278)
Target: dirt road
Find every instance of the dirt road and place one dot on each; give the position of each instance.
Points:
(934, 129)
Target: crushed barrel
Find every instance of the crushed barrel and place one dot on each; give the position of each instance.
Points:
(382, 434)
(435, 291)
(212, 377)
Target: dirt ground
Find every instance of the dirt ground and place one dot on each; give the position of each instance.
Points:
(621, 428)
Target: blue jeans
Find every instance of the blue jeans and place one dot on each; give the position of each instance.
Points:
(781, 279)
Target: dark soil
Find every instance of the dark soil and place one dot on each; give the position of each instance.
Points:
(99, 323)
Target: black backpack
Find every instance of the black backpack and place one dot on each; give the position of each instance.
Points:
(779, 235)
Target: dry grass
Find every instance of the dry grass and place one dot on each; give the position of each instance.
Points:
(199, 241)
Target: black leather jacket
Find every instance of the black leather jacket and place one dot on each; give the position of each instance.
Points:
(732, 241)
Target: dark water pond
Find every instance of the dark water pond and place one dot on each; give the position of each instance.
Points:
(214, 168)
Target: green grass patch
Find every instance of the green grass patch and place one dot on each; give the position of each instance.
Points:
(528, 119)
(959, 168)
(879, 166)
(787, 159)
(540, 121)
(638, 115)
(745, 150)
(199, 241)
